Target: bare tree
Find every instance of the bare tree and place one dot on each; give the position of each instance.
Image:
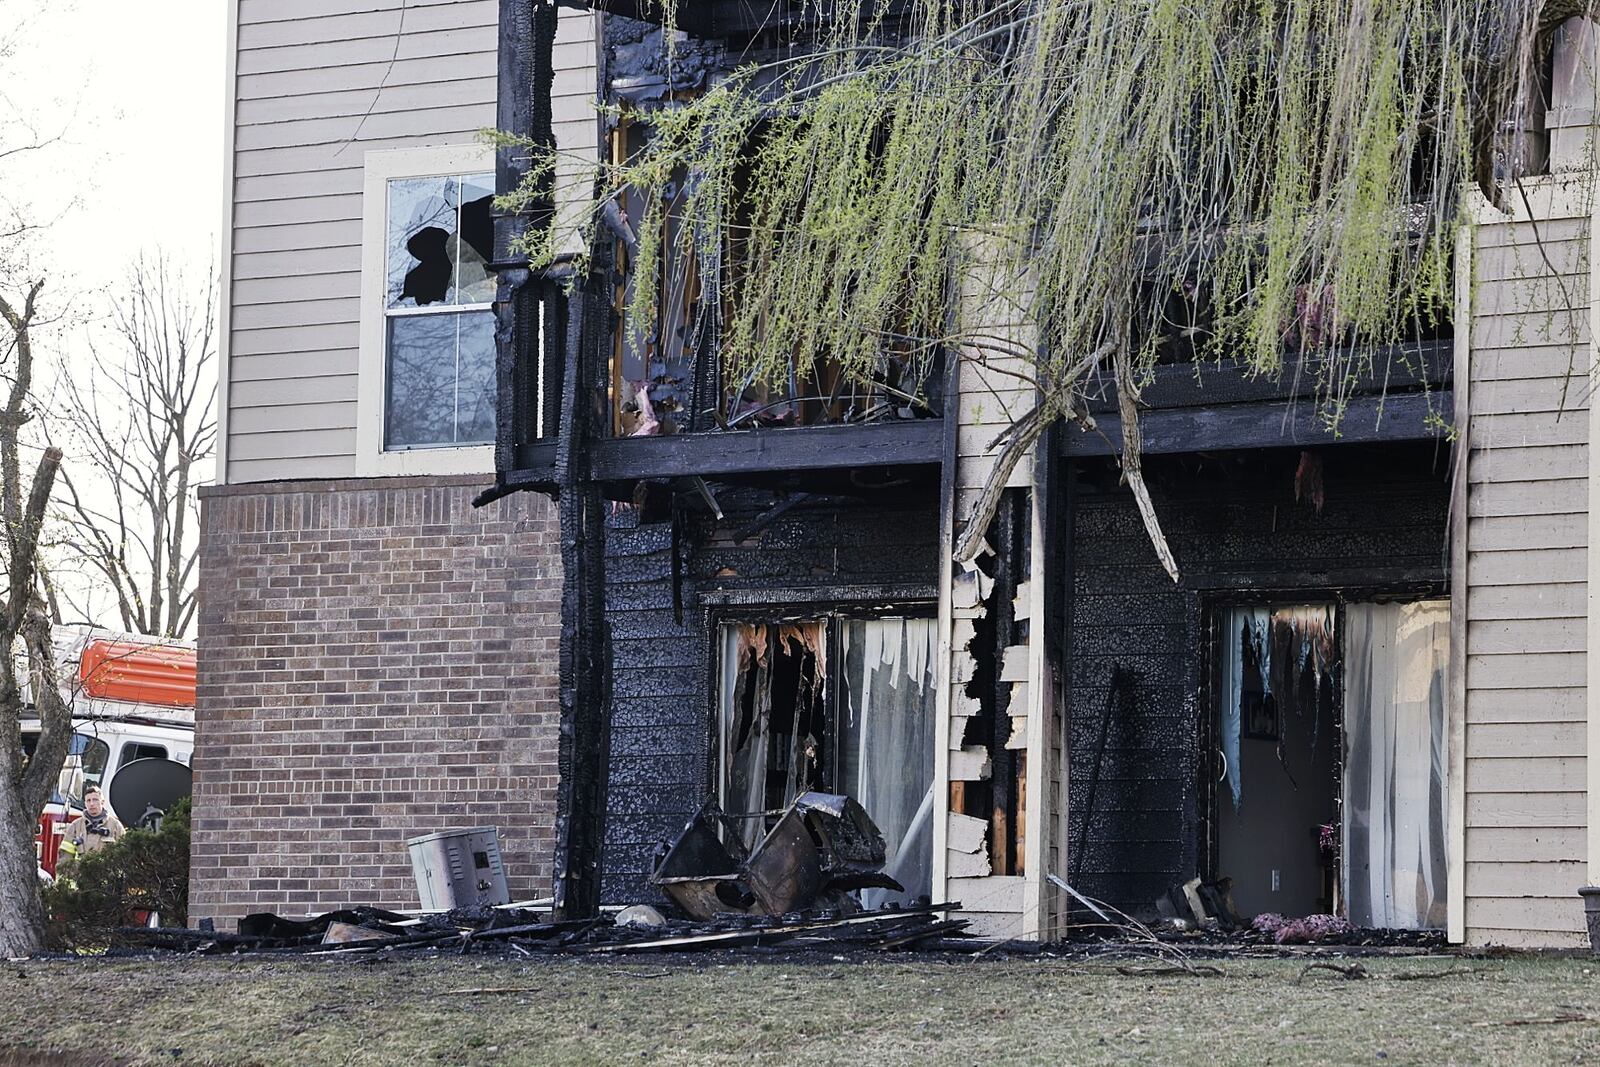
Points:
(25, 782)
(137, 420)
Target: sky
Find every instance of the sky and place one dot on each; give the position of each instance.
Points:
(136, 91)
(131, 97)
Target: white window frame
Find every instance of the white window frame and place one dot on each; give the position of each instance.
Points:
(382, 168)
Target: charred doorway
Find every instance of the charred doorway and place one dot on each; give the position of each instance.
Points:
(836, 704)
(1328, 783)
(1143, 766)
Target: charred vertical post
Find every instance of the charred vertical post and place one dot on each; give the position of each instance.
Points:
(584, 750)
(543, 341)
(526, 80)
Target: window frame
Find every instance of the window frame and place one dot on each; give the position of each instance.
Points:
(382, 167)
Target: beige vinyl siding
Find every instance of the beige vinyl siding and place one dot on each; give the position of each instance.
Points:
(318, 84)
(1525, 732)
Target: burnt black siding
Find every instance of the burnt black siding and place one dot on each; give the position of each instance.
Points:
(1382, 527)
(842, 551)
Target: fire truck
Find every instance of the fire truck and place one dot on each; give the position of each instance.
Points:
(132, 698)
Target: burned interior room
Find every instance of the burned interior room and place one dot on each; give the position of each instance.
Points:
(791, 657)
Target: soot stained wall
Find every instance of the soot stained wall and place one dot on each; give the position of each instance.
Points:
(1232, 528)
(845, 551)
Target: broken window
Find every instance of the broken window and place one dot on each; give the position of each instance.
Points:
(836, 705)
(439, 365)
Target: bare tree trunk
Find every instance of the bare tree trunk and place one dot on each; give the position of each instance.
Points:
(25, 785)
(21, 911)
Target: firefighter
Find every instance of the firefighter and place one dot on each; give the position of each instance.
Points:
(93, 829)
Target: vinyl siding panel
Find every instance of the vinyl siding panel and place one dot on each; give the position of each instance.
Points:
(319, 83)
(1526, 733)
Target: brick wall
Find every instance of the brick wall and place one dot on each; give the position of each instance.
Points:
(377, 661)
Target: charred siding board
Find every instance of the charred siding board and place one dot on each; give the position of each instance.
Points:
(1145, 831)
(662, 693)
(1527, 535)
(318, 85)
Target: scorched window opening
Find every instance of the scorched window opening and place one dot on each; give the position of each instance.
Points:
(668, 375)
(832, 703)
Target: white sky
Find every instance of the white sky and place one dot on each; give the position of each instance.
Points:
(138, 88)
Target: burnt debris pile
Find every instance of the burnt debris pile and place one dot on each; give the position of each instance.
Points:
(527, 932)
(800, 887)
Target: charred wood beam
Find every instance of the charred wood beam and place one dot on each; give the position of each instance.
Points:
(741, 18)
(583, 751)
(1268, 424)
(573, 332)
(910, 442)
(1401, 368)
(526, 74)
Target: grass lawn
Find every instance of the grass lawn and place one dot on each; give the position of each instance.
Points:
(874, 1011)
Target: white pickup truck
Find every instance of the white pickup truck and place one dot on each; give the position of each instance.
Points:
(132, 698)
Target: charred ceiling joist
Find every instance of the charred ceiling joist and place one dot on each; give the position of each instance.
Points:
(739, 19)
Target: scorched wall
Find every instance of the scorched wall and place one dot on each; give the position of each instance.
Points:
(1236, 529)
(840, 553)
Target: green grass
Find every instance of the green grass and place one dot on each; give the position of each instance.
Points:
(875, 1011)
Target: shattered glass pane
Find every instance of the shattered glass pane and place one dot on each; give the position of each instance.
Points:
(422, 228)
(475, 246)
(420, 383)
(475, 388)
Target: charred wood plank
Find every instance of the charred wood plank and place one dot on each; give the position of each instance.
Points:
(908, 442)
(1268, 424)
(1396, 369)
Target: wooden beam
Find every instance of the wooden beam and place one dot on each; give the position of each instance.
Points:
(1400, 368)
(909, 442)
(738, 18)
(1269, 424)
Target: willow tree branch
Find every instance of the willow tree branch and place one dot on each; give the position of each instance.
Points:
(1132, 472)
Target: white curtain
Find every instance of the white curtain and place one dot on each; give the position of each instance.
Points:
(1396, 657)
(886, 742)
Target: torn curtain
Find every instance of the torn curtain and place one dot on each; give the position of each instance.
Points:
(1395, 773)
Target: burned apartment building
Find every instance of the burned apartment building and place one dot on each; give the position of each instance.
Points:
(1367, 693)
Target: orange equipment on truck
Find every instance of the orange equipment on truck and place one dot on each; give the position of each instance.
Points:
(132, 698)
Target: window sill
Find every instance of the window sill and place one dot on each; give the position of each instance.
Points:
(465, 459)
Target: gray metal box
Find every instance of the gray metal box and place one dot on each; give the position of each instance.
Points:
(459, 868)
